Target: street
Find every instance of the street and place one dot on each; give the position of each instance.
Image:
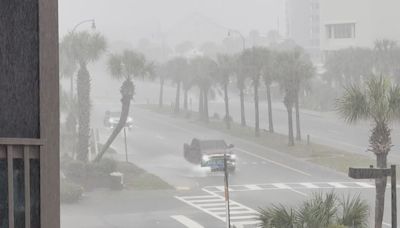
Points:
(263, 177)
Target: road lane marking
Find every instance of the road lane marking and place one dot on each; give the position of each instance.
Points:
(365, 185)
(337, 185)
(273, 162)
(186, 221)
(253, 187)
(309, 185)
(284, 186)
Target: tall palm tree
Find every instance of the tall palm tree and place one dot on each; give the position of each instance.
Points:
(85, 48)
(125, 66)
(269, 73)
(251, 61)
(204, 72)
(159, 70)
(379, 102)
(225, 71)
(177, 69)
(241, 81)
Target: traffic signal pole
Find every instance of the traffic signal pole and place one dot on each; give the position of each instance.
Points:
(228, 219)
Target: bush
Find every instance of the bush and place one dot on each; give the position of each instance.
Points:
(74, 171)
(70, 192)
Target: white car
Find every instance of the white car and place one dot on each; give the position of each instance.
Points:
(111, 120)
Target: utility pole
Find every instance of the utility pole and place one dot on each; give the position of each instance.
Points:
(228, 219)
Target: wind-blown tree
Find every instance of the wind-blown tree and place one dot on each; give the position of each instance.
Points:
(251, 60)
(204, 71)
(320, 211)
(269, 73)
(159, 70)
(84, 47)
(177, 69)
(225, 72)
(241, 80)
(187, 84)
(379, 102)
(347, 66)
(387, 57)
(125, 66)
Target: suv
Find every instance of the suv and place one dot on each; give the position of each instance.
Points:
(210, 153)
(111, 120)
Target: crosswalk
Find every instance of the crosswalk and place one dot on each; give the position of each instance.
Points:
(305, 185)
(214, 205)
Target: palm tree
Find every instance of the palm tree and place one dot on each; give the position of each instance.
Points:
(251, 61)
(294, 68)
(379, 102)
(204, 71)
(125, 67)
(269, 73)
(225, 71)
(176, 69)
(84, 47)
(241, 79)
(320, 211)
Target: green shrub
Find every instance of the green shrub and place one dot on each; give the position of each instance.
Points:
(70, 192)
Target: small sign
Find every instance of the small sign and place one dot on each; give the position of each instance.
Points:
(368, 173)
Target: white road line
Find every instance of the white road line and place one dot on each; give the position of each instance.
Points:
(253, 187)
(284, 186)
(273, 162)
(244, 217)
(387, 224)
(212, 205)
(365, 185)
(337, 185)
(198, 197)
(309, 185)
(207, 200)
(186, 221)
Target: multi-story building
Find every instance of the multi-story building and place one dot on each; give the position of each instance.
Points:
(357, 23)
(303, 24)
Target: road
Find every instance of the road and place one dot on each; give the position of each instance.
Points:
(264, 177)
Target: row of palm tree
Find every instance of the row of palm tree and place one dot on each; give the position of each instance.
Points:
(320, 211)
(291, 69)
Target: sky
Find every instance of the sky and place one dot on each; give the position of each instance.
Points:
(132, 20)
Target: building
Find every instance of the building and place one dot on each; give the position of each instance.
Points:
(357, 23)
(303, 24)
(29, 116)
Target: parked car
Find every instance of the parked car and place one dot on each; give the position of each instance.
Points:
(111, 120)
(210, 153)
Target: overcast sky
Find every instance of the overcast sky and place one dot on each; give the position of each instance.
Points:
(135, 19)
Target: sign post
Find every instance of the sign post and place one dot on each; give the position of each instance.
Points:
(228, 219)
(371, 173)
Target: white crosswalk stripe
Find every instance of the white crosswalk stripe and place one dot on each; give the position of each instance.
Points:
(293, 186)
(214, 205)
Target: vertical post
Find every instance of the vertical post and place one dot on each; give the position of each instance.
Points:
(394, 196)
(228, 219)
(10, 177)
(126, 146)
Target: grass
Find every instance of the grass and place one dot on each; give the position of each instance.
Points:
(136, 178)
(326, 156)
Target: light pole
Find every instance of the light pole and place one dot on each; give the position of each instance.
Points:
(126, 146)
(230, 31)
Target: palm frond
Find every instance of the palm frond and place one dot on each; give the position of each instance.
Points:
(115, 66)
(354, 212)
(353, 106)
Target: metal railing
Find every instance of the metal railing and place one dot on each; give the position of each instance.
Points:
(22, 201)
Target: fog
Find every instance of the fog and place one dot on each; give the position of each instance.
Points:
(228, 113)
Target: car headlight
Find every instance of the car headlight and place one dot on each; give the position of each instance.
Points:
(233, 156)
(205, 158)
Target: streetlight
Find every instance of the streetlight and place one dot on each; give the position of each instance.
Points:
(230, 31)
(83, 22)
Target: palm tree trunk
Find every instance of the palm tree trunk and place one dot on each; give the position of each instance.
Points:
(290, 124)
(201, 103)
(161, 97)
(185, 99)
(257, 113)
(269, 100)
(226, 100)
(72, 87)
(242, 113)
(177, 98)
(206, 116)
(127, 91)
(84, 106)
(380, 184)
(298, 131)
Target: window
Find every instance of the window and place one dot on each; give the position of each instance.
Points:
(341, 31)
